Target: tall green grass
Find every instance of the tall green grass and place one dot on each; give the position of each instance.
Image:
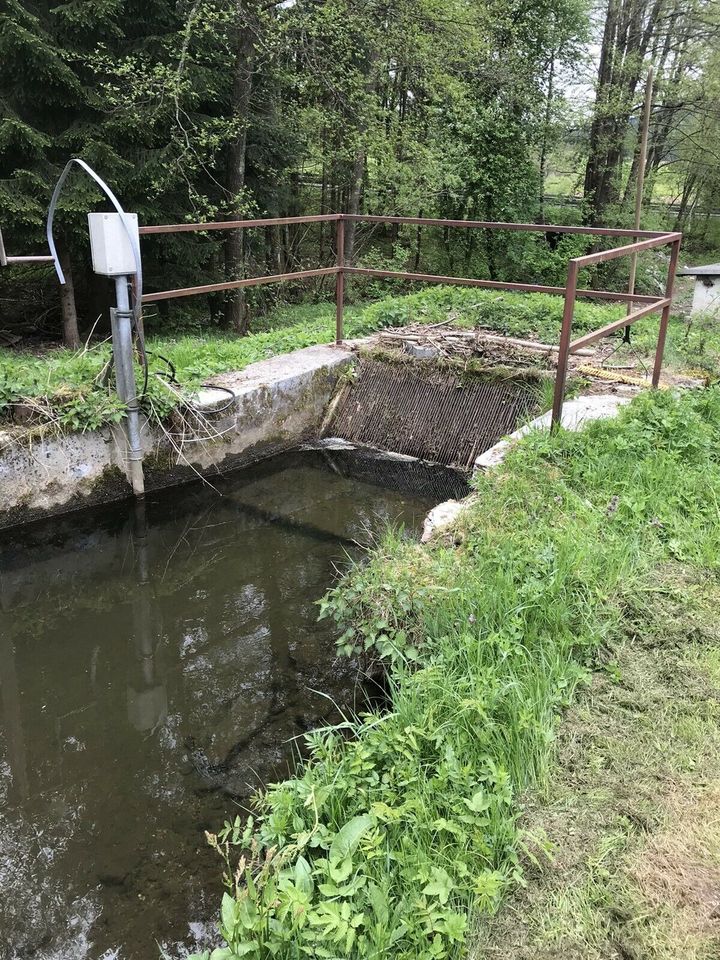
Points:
(63, 388)
(403, 824)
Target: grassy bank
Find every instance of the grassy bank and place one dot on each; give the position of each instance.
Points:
(626, 840)
(62, 388)
(403, 832)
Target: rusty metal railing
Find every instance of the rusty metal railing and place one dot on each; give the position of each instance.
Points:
(6, 261)
(641, 240)
(568, 346)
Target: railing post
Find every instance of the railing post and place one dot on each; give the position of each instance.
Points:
(665, 316)
(340, 280)
(564, 346)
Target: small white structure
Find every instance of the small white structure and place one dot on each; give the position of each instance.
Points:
(706, 297)
(110, 244)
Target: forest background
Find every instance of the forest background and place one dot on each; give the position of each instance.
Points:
(509, 110)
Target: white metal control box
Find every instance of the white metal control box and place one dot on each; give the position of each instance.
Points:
(112, 253)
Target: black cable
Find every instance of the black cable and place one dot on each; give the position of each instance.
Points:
(214, 386)
(171, 377)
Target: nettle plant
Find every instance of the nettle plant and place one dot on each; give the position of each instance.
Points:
(378, 616)
(304, 887)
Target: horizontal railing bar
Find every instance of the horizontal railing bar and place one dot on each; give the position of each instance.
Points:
(500, 285)
(411, 221)
(603, 255)
(497, 225)
(617, 325)
(10, 260)
(236, 284)
(235, 224)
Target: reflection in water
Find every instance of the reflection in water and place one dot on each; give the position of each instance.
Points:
(147, 704)
(156, 662)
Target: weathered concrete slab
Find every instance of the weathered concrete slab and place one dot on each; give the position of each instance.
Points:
(270, 406)
(440, 518)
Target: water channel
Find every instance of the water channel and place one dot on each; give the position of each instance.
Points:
(157, 664)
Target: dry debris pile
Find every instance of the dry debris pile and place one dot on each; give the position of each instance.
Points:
(443, 340)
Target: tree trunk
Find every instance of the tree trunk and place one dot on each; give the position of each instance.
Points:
(323, 208)
(688, 188)
(71, 334)
(235, 308)
(598, 129)
(629, 27)
(358, 173)
(418, 242)
(544, 146)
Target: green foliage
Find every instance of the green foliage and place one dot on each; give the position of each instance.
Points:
(197, 111)
(58, 390)
(402, 824)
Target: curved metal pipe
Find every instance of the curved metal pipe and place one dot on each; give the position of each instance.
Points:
(134, 244)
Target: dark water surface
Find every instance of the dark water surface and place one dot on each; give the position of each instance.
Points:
(155, 665)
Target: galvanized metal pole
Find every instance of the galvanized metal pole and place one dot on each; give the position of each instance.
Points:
(564, 347)
(121, 324)
(665, 316)
(642, 163)
(340, 281)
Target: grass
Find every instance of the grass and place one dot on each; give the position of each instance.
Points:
(62, 389)
(693, 344)
(630, 860)
(404, 837)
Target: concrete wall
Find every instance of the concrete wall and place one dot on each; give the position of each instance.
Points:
(706, 295)
(275, 404)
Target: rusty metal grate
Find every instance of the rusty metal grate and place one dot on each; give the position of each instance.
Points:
(434, 415)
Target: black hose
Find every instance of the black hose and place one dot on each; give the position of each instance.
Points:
(171, 377)
(214, 386)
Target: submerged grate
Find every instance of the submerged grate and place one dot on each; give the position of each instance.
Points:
(434, 415)
(395, 473)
